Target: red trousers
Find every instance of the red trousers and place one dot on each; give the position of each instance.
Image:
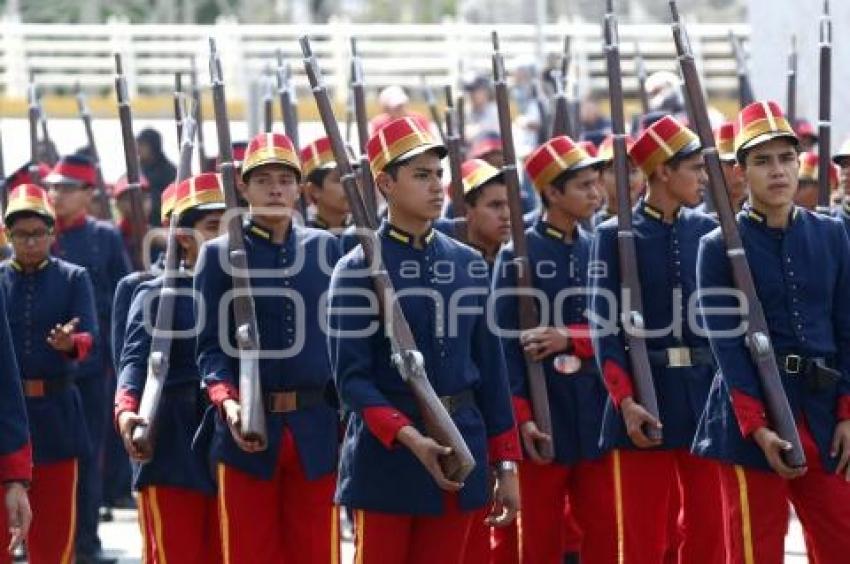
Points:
(560, 514)
(288, 519)
(755, 506)
(53, 499)
(178, 525)
(382, 538)
(643, 483)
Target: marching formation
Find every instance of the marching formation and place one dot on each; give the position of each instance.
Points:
(610, 347)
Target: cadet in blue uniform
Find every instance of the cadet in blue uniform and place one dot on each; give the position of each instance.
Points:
(800, 263)
(637, 181)
(15, 448)
(275, 504)
(646, 472)
(558, 252)
(51, 315)
(98, 247)
(322, 187)
(178, 510)
(406, 510)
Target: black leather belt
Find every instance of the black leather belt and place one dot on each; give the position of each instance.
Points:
(680, 357)
(37, 388)
(815, 370)
(287, 402)
(452, 403)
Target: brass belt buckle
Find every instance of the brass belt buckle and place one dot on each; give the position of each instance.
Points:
(282, 402)
(679, 357)
(793, 364)
(34, 388)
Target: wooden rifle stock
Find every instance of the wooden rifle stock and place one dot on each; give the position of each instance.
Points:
(456, 193)
(791, 108)
(632, 299)
(32, 115)
(758, 337)
(367, 182)
(529, 316)
(178, 111)
(159, 360)
(825, 111)
(407, 359)
(253, 413)
(138, 222)
(100, 189)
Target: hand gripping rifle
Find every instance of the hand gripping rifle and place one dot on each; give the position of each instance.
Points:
(632, 320)
(456, 193)
(100, 188)
(367, 182)
(138, 222)
(253, 417)
(159, 359)
(791, 109)
(745, 87)
(758, 337)
(825, 110)
(407, 359)
(529, 316)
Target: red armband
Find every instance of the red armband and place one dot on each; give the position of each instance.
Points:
(17, 465)
(82, 346)
(504, 446)
(522, 409)
(749, 412)
(842, 412)
(618, 382)
(125, 400)
(580, 338)
(220, 391)
(385, 422)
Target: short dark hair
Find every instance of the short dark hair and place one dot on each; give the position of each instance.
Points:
(471, 198)
(24, 214)
(744, 153)
(560, 183)
(247, 176)
(318, 176)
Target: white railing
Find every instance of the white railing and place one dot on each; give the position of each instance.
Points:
(60, 55)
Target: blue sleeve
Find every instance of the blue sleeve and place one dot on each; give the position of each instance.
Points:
(14, 429)
(717, 293)
(841, 306)
(84, 308)
(210, 285)
(604, 310)
(133, 365)
(506, 306)
(119, 264)
(120, 311)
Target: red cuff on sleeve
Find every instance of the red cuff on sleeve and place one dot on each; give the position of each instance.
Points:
(580, 338)
(221, 391)
(842, 413)
(82, 346)
(17, 466)
(385, 422)
(522, 410)
(504, 446)
(125, 400)
(749, 412)
(617, 381)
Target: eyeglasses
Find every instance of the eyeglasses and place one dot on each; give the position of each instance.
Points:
(29, 237)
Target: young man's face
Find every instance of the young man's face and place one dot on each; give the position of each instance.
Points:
(270, 188)
(736, 184)
(807, 195)
(70, 202)
(771, 171)
(417, 190)
(580, 197)
(686, 179)
(609, 184)
(203, 230)
(330, 195)
(490, 217)
(31, 238)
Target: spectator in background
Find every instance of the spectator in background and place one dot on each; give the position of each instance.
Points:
(483, 116)
(393, 101)
(595, 127)
(156, 167)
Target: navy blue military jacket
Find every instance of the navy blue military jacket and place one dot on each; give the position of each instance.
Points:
(96, 246)
(289, 284)
(180, 412)
(35, 303)
(15, 448)
(843, 213)
(802, 278)
(559, 273)
(443, 290)
(666, 256)
(124, 293)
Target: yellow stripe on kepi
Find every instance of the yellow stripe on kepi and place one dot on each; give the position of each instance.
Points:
(157, 527)
(618, 507)
(746, 524)
(223, 519)
(68, 552)
(360, 531)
